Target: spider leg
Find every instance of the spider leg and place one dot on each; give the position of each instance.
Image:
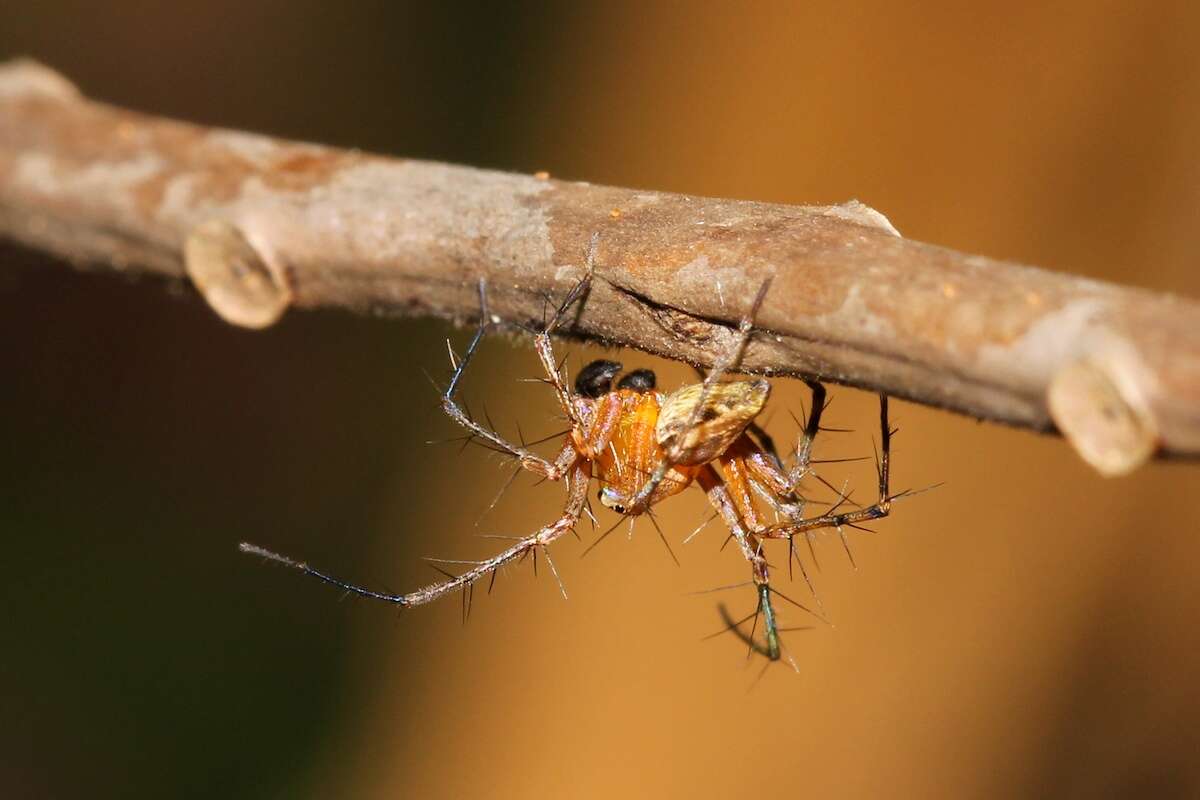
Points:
(774, 484)
(721, 499)
(781, 490)
(544, 348)
(783, 485)
(749, 468)
(553, 470)
(833, 519)
(811, 427)
(579, 480)
(733, 355)
(766, 443)
(783, 481)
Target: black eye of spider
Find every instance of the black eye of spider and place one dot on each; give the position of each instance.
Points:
(596, 378)
(640, 380)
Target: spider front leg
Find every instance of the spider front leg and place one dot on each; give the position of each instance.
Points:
(578, 469)
(544, 348)
(578, 479)
(553, 470)
(570, 463)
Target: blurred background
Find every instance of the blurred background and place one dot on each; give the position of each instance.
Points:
(1027, 629)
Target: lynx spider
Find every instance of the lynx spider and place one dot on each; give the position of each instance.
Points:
(642, 447)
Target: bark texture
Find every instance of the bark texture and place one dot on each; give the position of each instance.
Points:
(261, 224)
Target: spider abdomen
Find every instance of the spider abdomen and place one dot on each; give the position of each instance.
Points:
(697, 423)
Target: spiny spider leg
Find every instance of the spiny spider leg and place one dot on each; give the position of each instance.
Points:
(880, 509)
(780, 487)
(743, 468)
(766, 442)
(543, 347)
(529, 460)
(578, 481)
(719, 496)
(569, 463)
(785, 483)
(763, 475)
(809, 435)
(734, 354)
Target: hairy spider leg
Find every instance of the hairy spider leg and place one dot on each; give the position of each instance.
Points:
(719, 496)
(784, 483)
(593, 426)
(749, 469)
(746, 468)
(832, 519)
(552, 470)
(736, 477)
(776, 484)
(578, 481)
(527, 458)
(804, 446)
(542, 344)
(677, 453)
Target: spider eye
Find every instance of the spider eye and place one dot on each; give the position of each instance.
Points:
(619, 509)
(640, 381)
(596, 378)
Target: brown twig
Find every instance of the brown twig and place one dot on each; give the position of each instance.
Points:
(261, 224)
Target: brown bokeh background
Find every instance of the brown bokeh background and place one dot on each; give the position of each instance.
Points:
(1027, 629)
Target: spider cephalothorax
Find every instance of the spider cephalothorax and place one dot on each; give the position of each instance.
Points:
(642, 446)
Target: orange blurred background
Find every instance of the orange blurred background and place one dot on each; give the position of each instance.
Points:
(1027, 629)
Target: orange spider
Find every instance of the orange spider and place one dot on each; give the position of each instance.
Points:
(642, 447)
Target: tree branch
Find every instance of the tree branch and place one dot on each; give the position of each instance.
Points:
(260, 224)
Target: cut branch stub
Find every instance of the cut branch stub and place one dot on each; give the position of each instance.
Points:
(231, 275)
(1111, 432)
